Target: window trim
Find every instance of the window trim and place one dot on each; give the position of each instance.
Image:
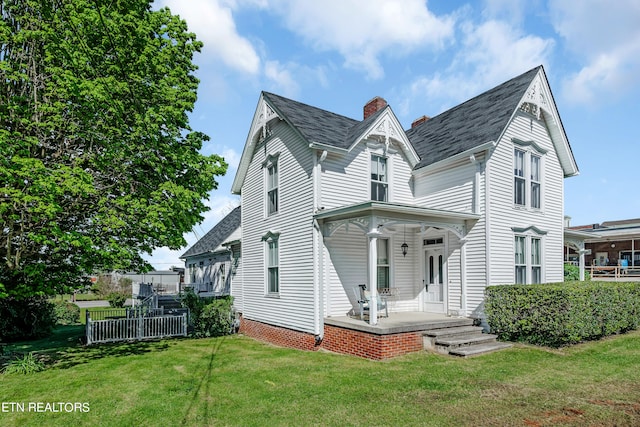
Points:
(271, 163)
(376, 182)
(271, 240)
(529, 235)
(387, 265)
(530, 150)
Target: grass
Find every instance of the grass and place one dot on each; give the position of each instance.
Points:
(238, 381)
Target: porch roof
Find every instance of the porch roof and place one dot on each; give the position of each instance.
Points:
(408, 212)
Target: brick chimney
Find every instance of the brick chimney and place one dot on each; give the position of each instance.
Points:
(373, 106)
(419, 121)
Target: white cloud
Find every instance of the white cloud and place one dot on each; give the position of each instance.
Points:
(213, 23)
(362, 31)
(490, 53)
(605, 35)
(281, 76)
(231, 156)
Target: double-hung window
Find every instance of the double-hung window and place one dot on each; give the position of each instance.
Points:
(520, 260)
(519, 185)
(528, 255)
(272, 188)
(379, 178)
(527, 175)
(383, 263)
(536, 261)
(535, 181)
(273, 263)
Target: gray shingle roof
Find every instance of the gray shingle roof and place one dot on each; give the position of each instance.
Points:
(315, 124)
(217, 235)
(470, 124)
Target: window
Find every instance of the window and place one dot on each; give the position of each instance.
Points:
(527, 176)
(383, 263)
(272, 188)
(520, 260)
(535, 182)
(379, 180)
(536, 261)
(273, 278)
(519, 197)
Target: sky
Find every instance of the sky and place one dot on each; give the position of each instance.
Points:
(423, 57)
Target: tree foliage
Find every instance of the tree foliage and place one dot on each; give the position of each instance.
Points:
(98, 163)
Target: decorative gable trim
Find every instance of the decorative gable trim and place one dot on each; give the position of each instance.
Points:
(259, 131)
(386, 130)
(538, 101)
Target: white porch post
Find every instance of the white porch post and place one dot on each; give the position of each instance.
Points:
(373, 235)
(463, 278)
(582, 251)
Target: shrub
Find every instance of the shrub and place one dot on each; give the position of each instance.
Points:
(66, 313)
(117, 299)
(27, 318)
(27, 364)
(562, 313)
(209, 317)
(572, 273)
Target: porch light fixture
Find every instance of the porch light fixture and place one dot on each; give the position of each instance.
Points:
(404, 246)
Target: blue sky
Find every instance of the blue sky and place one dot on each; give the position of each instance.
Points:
(423, 58)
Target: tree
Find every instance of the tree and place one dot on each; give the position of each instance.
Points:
(98, 163)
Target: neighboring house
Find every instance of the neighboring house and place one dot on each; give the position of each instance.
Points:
(163, 281)
(611, 243)
(213, 262)
(431, 215)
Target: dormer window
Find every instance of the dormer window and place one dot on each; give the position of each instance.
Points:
(379, 178)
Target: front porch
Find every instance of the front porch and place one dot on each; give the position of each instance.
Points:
(407, 332)
(398, 322)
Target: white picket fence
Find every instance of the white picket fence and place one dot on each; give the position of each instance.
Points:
(126, 328)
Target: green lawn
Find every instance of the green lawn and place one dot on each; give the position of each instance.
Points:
(238, 381)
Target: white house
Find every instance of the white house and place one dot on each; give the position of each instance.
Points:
(428, 216)
(213, 263)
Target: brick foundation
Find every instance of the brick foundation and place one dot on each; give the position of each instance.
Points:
(277, 335)
(336, 339)
(370, 346)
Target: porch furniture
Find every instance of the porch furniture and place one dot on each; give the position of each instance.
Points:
(363, 296)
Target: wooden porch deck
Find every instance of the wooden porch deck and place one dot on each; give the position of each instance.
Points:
(400, 322)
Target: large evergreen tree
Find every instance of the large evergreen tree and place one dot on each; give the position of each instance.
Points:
(98, 163)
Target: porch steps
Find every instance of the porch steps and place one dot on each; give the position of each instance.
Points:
(461, 341)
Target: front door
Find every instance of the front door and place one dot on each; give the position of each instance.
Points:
(434, 280)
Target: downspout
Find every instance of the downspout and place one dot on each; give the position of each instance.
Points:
(318, 303)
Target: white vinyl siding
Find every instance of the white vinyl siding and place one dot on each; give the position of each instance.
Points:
(504, 215)
(294, 307)
(346, 178)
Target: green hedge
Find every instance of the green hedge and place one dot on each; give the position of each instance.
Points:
(558, 314)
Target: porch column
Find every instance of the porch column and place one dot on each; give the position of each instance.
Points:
(373, 235)
(463, 278)
(582, 251)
